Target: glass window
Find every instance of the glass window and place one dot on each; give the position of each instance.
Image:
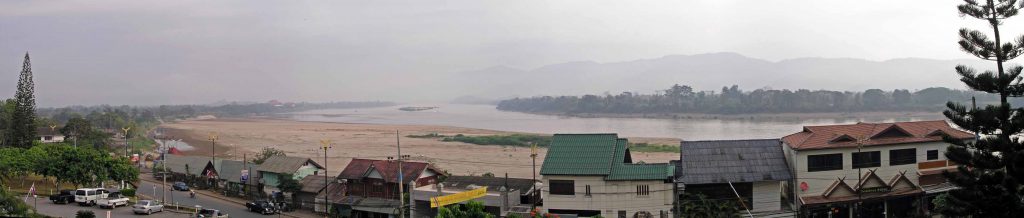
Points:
(933, 154)
(588, 191)
(824, 162)
(867, 159)
(562, 187)
(902, 156)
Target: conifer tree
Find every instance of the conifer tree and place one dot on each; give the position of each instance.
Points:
(23, 119)
(991, 168)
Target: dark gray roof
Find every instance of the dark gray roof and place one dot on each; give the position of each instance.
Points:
(231, 170)
(196, 164)
(313, 184)
(285, 165)
(705, 162)
(492, 183)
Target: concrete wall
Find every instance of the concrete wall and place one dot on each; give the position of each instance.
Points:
(609, 197)
(767, 196)
(818, 181)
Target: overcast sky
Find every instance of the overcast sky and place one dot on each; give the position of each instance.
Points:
(162, 52)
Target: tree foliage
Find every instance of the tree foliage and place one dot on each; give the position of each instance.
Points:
(733, 100)
(11, 205)
(699, 206)
(266, 153)
(991, 169)
(472, 209)
(287, 183)
(22, 130)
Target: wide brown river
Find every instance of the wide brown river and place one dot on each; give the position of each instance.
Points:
(487, 117)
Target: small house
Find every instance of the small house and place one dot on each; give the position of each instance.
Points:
(274, 168)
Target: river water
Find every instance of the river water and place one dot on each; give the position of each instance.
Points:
(487, 117)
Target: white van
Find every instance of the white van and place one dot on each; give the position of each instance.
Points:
(89, 196)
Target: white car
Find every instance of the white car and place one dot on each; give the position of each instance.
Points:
(89, 196)
(147, 207)
(112, 200)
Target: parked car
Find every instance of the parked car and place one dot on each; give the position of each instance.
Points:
(113, 200)
(89, 196)
(63, 197)
(147, 207)
(262, 206)
(210, 213)
(180, 186)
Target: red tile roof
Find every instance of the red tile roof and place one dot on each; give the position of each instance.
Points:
(871, 134)
(359, 168)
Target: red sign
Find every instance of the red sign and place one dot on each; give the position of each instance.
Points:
(803, 186)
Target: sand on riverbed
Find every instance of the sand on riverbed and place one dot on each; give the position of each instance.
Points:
(373, 141)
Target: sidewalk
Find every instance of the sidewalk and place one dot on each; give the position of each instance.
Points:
(207, 193)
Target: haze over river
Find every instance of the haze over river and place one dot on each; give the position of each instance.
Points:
(487, 117)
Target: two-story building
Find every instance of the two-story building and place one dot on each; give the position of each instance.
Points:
(370, 187)
(754, 170)
(870, 169)
(593, 174)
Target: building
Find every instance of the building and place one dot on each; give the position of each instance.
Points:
(756, 170)
(370, 187)
(274, 168)
(593, 174)
(199, 171)
(49, 135)
(502, 193)
(871, 169)
(231, 174)
(311, 187)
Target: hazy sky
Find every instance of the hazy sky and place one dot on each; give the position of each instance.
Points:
(159, 52)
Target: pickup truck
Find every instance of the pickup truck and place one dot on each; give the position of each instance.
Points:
(64, 197)
(261, 206)
(113, 200)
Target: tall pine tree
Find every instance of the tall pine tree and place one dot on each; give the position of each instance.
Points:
(991, 169)
(22, 131)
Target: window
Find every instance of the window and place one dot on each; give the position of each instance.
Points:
(622, 214)
(643, 190)
(933, 154)
(902, 156)
(867, 159)
(588, 191)
(824, 162)
(562, 187)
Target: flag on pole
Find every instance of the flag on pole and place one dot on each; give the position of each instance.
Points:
(32, 190)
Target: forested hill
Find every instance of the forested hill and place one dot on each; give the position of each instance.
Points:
(733, 100)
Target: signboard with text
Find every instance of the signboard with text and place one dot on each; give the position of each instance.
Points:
(458, 197)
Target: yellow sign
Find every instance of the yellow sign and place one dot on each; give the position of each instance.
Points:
(458, 197)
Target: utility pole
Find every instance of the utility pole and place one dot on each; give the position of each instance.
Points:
(126, 156)
(401, 180)
(163, 173)
(533, 155)
(326, 143)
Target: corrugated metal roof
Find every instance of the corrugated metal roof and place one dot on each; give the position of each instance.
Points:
(193, 164)
(598, 154)
(493, 183)
(231, 170)
(313, 184)
(285, 164)
(580, 154)
(704, 162)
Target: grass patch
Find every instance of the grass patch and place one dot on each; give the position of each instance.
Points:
(645, 147)
(525, 140)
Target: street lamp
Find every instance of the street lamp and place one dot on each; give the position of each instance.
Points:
(126, 141)
(326, 144)
(213, 144)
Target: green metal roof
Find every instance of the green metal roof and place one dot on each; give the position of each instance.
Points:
(598, 155)
(579, 154)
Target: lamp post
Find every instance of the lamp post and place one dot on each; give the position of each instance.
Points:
(125, 129)
(326, 144)
(533, 155)
(213, 146)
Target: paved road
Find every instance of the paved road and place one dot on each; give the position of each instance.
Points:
(181, 198)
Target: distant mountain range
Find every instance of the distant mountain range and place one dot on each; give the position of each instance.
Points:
(711, 72)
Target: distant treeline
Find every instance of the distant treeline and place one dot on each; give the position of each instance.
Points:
(732, 100)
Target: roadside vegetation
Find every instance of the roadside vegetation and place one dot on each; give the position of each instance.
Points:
(527, 140)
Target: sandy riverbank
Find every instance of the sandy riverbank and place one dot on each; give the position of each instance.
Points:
(376, 141)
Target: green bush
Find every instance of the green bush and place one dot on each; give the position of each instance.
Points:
(128, 192)
(85, 214)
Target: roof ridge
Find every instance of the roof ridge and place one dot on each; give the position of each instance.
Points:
(733, 140)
